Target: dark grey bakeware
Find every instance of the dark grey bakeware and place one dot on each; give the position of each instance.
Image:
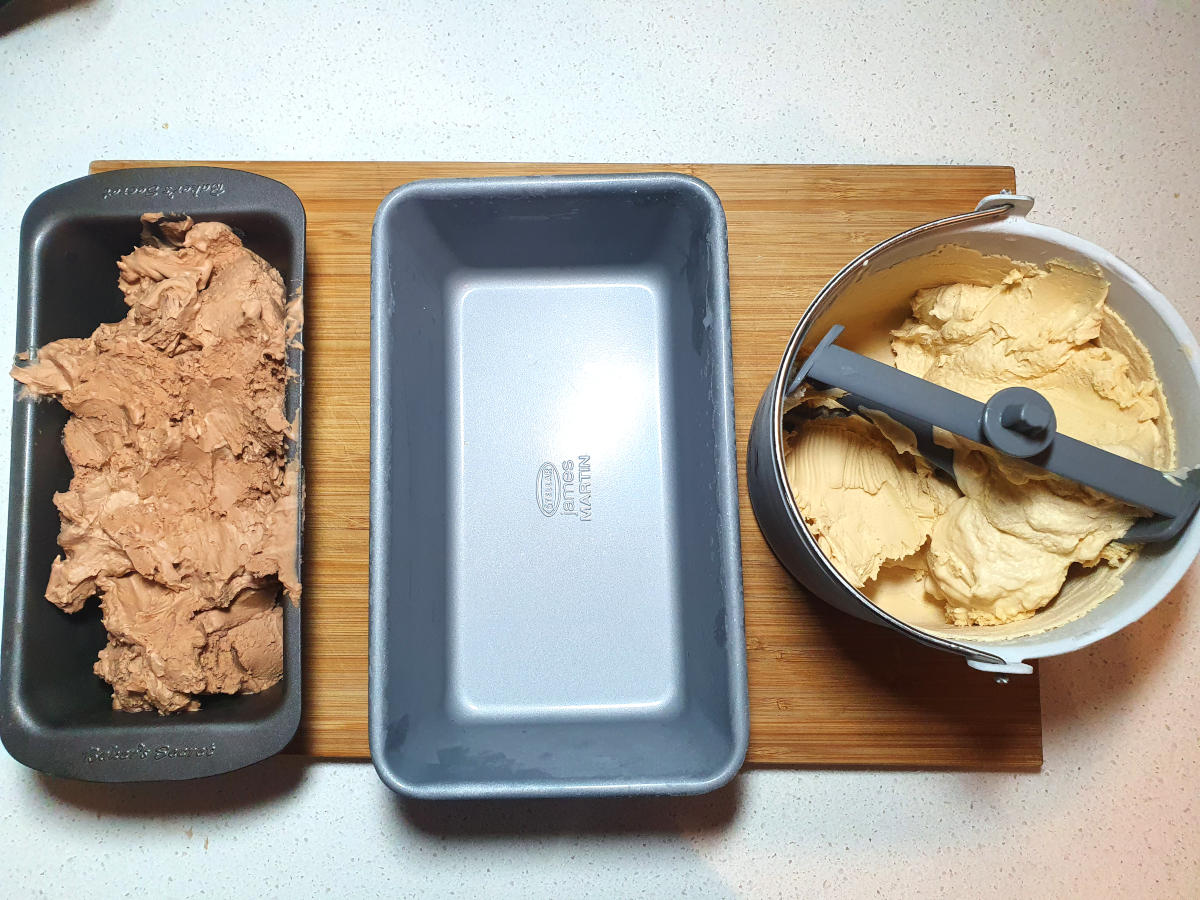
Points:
(55, 715)
(556, 595)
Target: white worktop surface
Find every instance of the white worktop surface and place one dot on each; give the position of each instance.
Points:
(1097, 105)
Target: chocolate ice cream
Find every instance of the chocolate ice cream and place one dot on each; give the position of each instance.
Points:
(182, 512)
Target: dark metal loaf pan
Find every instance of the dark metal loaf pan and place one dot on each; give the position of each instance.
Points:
(556, 595)
(55, 715)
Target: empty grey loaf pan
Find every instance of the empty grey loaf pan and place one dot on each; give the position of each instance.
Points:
(556, 596)
(55, 714)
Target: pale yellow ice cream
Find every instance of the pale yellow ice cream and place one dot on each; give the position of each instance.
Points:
(870, 504)
(999, 546)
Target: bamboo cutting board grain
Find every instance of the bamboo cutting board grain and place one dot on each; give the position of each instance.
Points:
(825, 689)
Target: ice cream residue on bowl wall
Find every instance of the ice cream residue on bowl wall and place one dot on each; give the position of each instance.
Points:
(182, 510)
(1009, 550)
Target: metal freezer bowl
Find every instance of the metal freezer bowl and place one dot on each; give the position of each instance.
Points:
(556, 598)
(55, 715)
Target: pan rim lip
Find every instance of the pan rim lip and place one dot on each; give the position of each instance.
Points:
(381, 316)
(244, 742)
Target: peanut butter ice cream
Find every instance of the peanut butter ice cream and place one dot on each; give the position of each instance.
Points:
(182, 512)
(1000, 545)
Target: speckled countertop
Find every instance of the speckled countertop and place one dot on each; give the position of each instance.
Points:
(1097, 107)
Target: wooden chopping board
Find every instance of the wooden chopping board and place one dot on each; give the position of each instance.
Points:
(825, 689)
